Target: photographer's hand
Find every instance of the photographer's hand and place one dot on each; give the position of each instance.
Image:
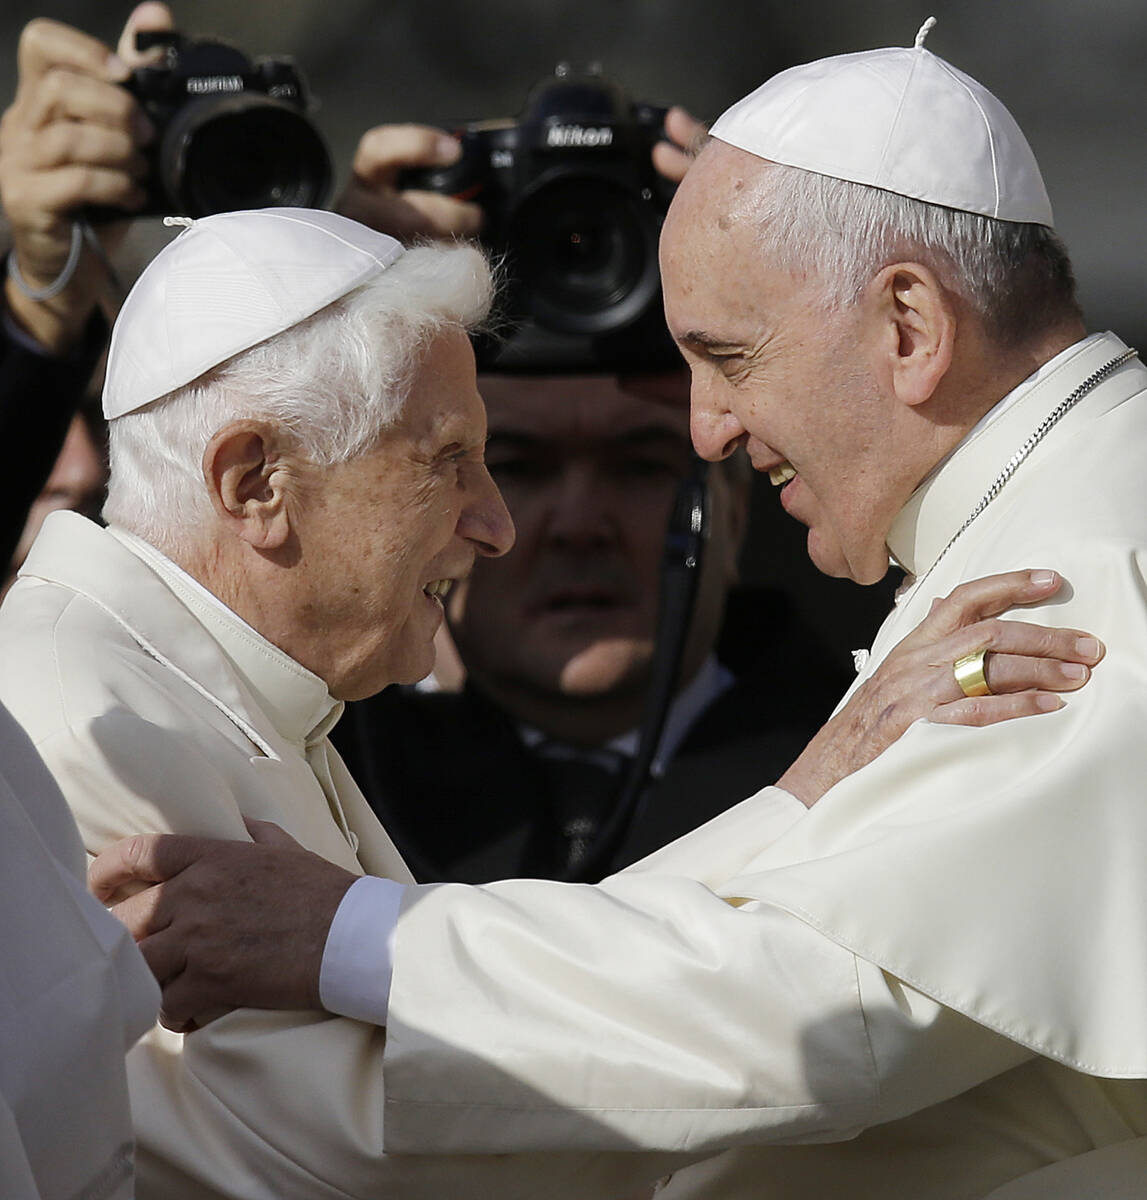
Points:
(71, 138)
(372, 195)
(686, 134)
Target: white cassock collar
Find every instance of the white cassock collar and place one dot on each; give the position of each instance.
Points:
(294, 699)
(942, 503)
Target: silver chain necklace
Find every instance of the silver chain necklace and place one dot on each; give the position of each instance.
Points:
(1038, 434)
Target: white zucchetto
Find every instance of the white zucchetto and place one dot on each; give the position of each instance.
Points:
(229, 282)
(898, 119)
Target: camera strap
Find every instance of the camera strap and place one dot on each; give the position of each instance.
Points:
(685, 538)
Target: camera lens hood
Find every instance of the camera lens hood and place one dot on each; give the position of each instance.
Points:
(224, 153)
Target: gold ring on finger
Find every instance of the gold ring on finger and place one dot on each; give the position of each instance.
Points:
(969, 672)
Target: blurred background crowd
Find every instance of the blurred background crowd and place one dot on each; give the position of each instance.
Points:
(1072, 74)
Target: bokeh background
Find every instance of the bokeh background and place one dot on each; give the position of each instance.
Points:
(1073, 72)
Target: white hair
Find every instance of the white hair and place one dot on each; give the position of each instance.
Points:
(1015, 276)
(335, 381)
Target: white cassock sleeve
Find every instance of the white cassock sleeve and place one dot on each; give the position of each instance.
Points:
(74, 994)
(714, 1022)
(358, 959)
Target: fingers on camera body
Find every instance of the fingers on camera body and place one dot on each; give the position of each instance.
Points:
(686, 135)
(374, 195)
(46, 45)
(152, 17)
(66, 141)
(73, 137)
(386, 150)
(78, 165)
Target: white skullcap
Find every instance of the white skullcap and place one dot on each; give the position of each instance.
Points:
(227, 283)
(898, 119)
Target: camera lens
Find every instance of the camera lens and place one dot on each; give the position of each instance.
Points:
(584, 250)
(246, 151)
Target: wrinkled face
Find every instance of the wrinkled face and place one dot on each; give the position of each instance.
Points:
(588, 467)
(384, 536)
(774, 371)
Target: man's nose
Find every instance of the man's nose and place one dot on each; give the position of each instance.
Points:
(579, 515)
(485, 520)
(715, 431)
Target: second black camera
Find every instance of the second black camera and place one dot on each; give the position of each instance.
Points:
(573, 203)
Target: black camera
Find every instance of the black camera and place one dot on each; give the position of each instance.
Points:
(573, 205)
(231, 133)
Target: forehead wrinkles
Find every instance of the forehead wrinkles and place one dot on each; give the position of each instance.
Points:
(717, 215)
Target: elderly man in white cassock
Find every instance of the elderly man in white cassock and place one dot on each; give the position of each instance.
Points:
(928, 984)
(297, 472)
(934, 982)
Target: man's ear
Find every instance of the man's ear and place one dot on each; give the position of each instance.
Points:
(916, 320)
(250, 480)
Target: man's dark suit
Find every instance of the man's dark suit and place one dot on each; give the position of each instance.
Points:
(465, 799)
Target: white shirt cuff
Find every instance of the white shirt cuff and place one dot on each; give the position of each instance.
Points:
(358, 959)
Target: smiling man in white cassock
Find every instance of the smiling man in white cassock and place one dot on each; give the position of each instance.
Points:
(932, 983)
(861, 273)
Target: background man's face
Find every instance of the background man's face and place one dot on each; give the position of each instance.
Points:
(776, 371)
(588, 467)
